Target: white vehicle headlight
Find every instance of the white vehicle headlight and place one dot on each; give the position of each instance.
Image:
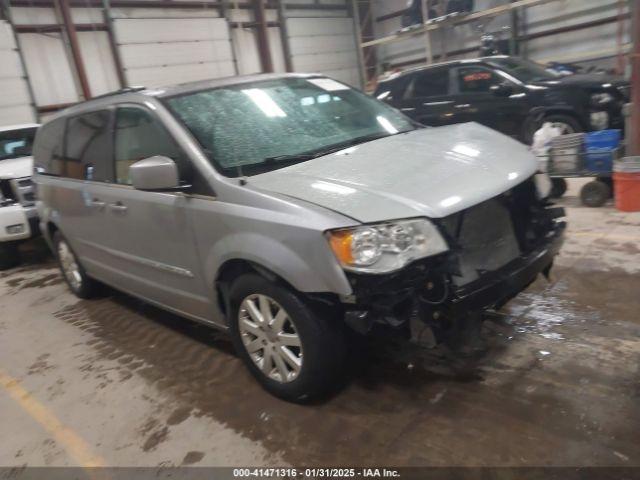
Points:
(385, 247)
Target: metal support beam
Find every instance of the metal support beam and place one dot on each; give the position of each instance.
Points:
(284, 36)
(634, 135)
(53, 27)
(113, 44)
(74, 45)
(262, 36)
(427, 33)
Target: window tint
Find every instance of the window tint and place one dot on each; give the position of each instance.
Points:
(88, 147)
(138, 136)
(476, 79)
(431, 83)
(47, 150)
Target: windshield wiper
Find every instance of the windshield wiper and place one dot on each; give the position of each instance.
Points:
(302, 157)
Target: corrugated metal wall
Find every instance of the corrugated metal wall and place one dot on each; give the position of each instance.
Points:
(161, 46)
(324, 45)
(164, 51)
(15, 100)
(597, 43)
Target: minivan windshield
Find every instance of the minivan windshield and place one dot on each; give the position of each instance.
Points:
(252, 128)
(524, 70)
(16, 143)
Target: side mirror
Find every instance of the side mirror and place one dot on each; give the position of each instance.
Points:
(155, 173)
(502, 90)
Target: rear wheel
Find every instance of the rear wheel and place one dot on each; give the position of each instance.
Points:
(9, 255)
(595, 194)
(293, 351)
(79, 282)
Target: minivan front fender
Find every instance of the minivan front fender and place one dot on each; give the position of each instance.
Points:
(315, 270)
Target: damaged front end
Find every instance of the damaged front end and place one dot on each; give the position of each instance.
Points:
(496, 249)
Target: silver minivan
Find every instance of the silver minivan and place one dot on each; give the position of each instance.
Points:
(291, 210)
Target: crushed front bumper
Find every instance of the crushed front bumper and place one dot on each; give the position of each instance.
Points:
(495, 288)
(496, 249)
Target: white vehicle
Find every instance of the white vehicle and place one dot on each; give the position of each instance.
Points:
(18, 215)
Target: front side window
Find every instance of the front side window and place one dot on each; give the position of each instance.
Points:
(476, 79)
(139, 135)
(16, 143)
(431, 83)
(88, 147)
(524, 70)
(252, 128)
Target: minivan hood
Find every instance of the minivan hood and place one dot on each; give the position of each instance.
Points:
(431, 172)
(16, 168)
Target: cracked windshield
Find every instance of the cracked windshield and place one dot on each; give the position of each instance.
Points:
(256, 127)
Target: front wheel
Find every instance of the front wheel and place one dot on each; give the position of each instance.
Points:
(293, 351)
(77, 279)
(9, 255)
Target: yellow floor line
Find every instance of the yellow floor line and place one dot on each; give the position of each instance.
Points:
(75, 446)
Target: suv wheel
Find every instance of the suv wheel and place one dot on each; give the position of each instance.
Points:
(79, 282)
(564, 123)
(292, 351)
(9, 255)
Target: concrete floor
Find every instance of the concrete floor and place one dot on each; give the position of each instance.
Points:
(115, 382)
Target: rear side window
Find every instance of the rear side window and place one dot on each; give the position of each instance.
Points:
(88, 147)
(476, 79)
(47, 150)
(140, 135)
(431, 83)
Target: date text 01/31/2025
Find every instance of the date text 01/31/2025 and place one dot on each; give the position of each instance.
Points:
(315, 473)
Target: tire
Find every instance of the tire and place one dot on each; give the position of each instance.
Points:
(566, 122)
(73, 273)
(609, 182)
(595, 194)
(321, 341)
(558, 187)
(570, 125)
(9, 255)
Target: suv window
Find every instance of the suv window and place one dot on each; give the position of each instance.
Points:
(140, 135)
(16, 143)
(476, 79)
(431, 83)
(47, 150)
(88, 147)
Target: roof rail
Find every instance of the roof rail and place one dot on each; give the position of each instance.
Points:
(137, 88)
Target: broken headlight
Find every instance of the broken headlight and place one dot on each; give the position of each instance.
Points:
(387, 246)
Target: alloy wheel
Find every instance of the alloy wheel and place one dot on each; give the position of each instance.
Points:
(270, 338)
(69, 266)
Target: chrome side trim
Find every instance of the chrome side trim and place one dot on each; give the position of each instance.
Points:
(183, 272)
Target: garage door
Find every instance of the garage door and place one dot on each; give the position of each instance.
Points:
(166, 51)
(15, 101)
(324, 45)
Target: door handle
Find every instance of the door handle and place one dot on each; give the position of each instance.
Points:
(462, 105)
(97, 203)
(118, 207)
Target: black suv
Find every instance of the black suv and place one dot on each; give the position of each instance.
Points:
(508, 94)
